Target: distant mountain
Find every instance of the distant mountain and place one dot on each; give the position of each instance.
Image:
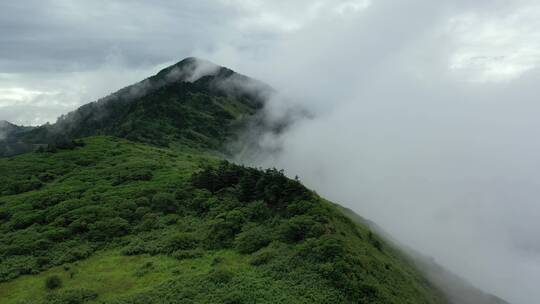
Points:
(9, 130)
(9, 143)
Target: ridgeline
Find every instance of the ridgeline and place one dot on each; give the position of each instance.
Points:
(128, 200)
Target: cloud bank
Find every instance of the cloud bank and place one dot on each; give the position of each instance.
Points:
(425, 123)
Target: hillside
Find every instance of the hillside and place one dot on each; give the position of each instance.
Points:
(9, 143)
(128, 200)
(192, 103)
(123, 222)
(457, 289)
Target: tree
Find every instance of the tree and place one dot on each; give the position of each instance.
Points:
(252, 239)
(108, 228)
(165, 202)
(299, 228)
(247, 188)
(53, 282)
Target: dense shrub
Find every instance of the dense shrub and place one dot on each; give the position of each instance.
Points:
(188, 254)
(325, 249)
(136, 246)
(223, 228)
(180, 241)
(375, 241)
(53, 282)
(220, 276)
(22, 184)
(299, 207)
(270, 186)
(108, 228)
(165, 202)
(253, 238)
(16, 265)
(129, 174)
(288, 235)
(299, 228)
(148, 222)
(268, 253)
(258, 212)
(71, 296)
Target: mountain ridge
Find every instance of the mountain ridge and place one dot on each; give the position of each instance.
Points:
(135, 175)
(127, 112)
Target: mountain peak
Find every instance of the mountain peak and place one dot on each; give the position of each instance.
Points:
(194, 102)
(189, 69)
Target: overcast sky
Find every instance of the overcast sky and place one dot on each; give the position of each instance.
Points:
(426, 112)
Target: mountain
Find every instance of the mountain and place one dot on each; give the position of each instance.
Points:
(129, 200)
(457, 289)
(193, 103)
(9, 145)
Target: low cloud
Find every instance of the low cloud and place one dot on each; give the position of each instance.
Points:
(441, 156)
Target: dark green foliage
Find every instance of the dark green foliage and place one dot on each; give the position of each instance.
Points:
(188, 254)
(220, 276)
(21, 186)
(288, 244)
(159, 110)
(249, 235)
(374, 241)
(53, 282)
(163, 242)
(223, 228)
(326, 249)
(165, 202)
(270, 186)
(60, 144)
(71, 296)
(265, 255)
(299, 228)
(253, 238)
(108, 228)
(13, 266)
(133, 174)
(234, 298)
(145, 269)
(181, 241)
(299, 207)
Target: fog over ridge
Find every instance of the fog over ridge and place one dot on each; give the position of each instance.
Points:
(442, 157)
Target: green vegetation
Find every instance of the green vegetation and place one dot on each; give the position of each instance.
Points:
(120, 222)
(53, 282)
(127, 201)
(160, 110)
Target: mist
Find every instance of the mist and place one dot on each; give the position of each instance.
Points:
(428, 134)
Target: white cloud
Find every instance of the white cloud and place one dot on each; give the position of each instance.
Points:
(30, 99)
(12, 96)
(352, 6)
(496, 47)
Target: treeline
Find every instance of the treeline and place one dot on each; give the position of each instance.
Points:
(270, 185)
(59, 144)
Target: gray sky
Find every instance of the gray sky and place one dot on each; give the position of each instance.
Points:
(426, 113)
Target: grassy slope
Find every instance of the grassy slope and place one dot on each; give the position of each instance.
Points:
(53, 220)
